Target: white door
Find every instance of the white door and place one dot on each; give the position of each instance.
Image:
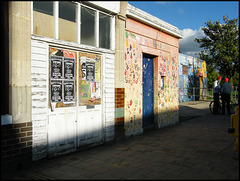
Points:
(75, 125)
(62, 131)
(89, 113)
(89, 125)
(62, 92)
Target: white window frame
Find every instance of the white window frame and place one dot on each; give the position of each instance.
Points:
(56, 19)
(78, 23)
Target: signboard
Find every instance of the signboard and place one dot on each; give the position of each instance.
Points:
(56, 67)
(56, 91)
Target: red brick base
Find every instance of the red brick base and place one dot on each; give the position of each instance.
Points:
(16, 145)
(119, 103)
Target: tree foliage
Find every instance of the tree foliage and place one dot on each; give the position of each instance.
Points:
(221, 46)
(211, 76)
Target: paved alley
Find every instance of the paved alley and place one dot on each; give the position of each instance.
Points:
(199, 147)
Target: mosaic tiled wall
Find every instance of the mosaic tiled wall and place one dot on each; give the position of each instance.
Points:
(167, 95)
(133, 85)
(195, 77)
(141, 39)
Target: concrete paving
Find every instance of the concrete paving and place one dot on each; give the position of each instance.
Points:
(199, 147)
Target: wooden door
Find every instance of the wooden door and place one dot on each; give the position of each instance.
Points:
(62, 131)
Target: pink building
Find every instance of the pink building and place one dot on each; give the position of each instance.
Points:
(150, 72)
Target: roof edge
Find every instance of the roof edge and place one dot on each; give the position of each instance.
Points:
(153, 21)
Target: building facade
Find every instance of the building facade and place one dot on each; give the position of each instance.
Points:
(192, 78)
(61, 78)
(82, 74)
(150, 71)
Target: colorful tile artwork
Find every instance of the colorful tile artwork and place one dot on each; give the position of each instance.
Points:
(168, 97)
(165, 100)
(195, 77)
(133, 85)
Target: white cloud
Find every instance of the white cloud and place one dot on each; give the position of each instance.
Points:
(162, 2)
(187, 44)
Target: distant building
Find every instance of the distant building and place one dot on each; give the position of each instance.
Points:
(192, 79)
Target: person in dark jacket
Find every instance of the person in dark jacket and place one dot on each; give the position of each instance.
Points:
(226, 91)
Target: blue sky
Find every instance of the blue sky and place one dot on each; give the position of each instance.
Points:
(189, 17)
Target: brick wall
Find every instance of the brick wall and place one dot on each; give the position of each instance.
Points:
(119, 112)
(16, 146)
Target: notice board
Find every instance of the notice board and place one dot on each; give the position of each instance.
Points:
(62, 77)
(90, 79)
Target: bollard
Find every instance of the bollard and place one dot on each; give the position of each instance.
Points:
(234, 130)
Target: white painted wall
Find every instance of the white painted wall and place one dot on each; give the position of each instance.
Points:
(39, 95)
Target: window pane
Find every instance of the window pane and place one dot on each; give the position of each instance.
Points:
(43, 18)
(45, 7)
(87, 26)
(67, 21)
(104, 31)
(67, 11)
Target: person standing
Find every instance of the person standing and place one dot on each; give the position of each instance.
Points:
(226, 91)
(216, 91)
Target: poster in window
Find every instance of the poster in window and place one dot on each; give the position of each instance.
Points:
(85, 90)
(90, 71)
(69, 64)
(90, 79)
(93, 91)
(98, 91)
(56, 67)
(56, 91)
(97, 71)
(83, 67)
(68, 90)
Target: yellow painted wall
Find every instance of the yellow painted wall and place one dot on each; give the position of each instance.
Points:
(43, 24)
(19, 61)
(67, 30)
(133, 85)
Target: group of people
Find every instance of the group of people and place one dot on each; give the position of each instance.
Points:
(225, 90)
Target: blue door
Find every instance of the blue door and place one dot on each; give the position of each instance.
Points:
(148, 91)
